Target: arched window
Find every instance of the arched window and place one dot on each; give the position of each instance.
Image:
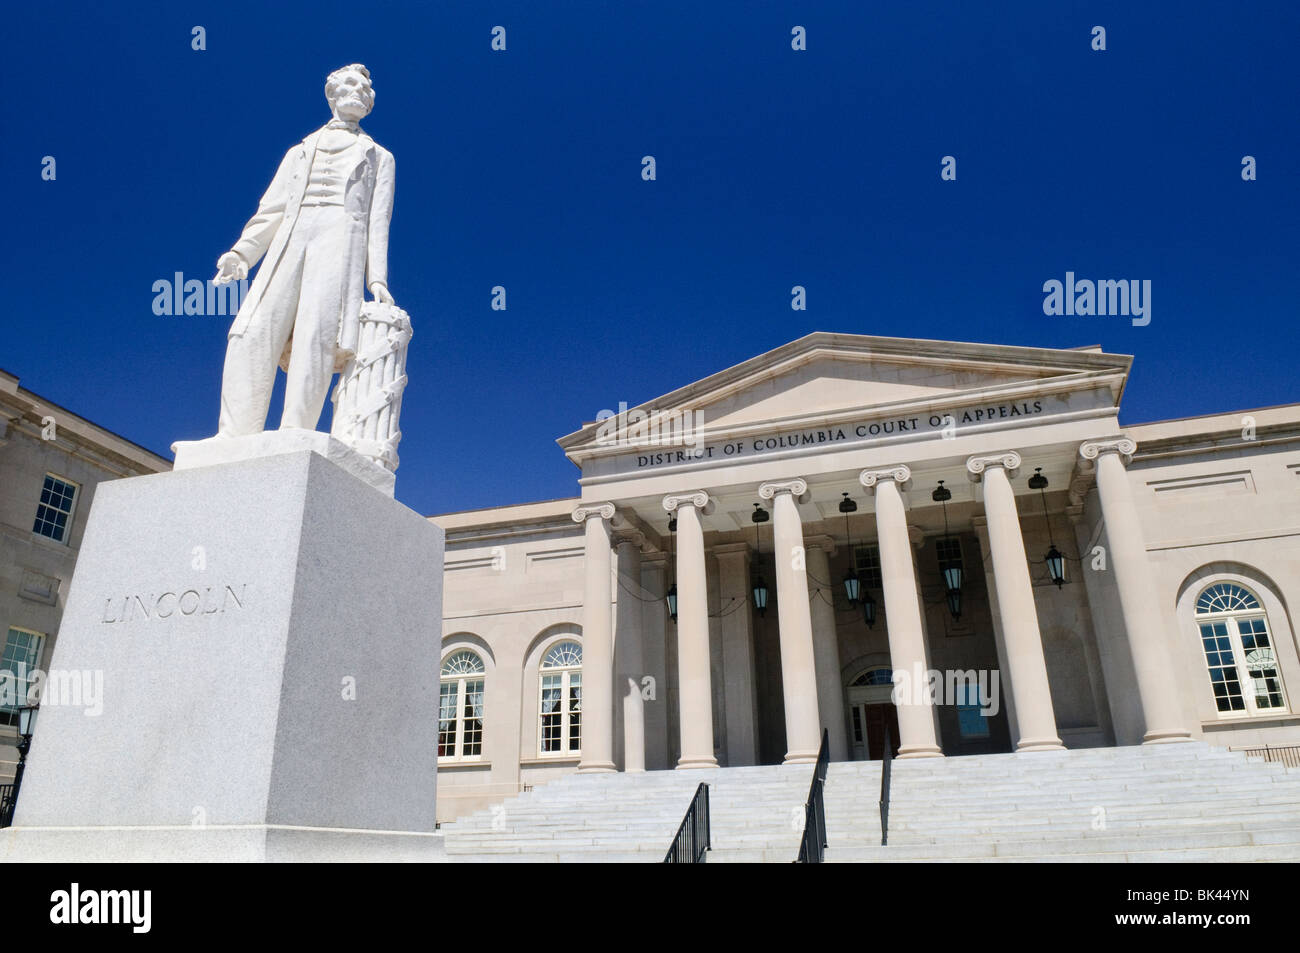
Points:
(875, 676)
(460, 707)
(561, 700)
(1238, 651)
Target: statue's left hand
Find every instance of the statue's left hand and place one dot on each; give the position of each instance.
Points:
(381, 293)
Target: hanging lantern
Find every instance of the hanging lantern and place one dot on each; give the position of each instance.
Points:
(954, 603)
(758, 517)
(1056, 566)
(868, 610)
(1054, 559)
(672, 601)
(952, 576)
(852, 584)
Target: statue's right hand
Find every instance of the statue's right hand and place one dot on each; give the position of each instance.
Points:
(230, 267)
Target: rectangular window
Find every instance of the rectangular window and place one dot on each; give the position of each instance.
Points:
(54, 512)
(447, 720)
(1222, 665)
(20, 656)
(949, 551)
(1261, 665)
(971, 721)
(472, 743)
(868, 566)
(552, 717)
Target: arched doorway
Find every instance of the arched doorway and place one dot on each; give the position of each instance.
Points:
(871, 712)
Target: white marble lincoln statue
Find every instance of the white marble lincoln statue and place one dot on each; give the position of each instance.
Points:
(323, 227)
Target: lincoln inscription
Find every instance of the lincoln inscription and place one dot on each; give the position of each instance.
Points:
(201, 601)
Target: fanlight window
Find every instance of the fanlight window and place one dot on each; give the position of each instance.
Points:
(1243, 668)
(875, 676)
(460, 708)
(560, 702)
(1225, 597)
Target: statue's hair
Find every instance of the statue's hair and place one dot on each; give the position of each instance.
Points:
(332, 79)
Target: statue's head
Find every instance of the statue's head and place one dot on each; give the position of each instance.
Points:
(350, 95)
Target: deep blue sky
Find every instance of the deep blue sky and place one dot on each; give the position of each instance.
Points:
(775, 168)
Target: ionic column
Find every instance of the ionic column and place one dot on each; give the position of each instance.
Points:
(903, 623)
(629, 664)
(695, 694)
(803, 733)
(1024, 643)
(654, 632)
(1142, 620)
(597, 640)
(826, 647)
(739, 688)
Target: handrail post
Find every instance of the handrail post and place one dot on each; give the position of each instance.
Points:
(886, 761)
(813, 843)
(695, 823)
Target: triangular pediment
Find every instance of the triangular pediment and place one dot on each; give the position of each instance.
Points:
(825, 377)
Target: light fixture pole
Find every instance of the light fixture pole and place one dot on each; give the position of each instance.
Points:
(758, 517)
(1054, 559)
(952, 572)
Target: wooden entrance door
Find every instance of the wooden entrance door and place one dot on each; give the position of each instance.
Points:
(868, 724)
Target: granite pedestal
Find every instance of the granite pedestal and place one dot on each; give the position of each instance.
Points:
(268, 632)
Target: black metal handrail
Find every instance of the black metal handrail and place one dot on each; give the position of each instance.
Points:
(812, 848)
(885, 761)
(693, 837)
(1288, 755)
(8, 800)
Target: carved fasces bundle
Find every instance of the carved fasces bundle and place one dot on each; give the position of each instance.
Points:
(368, 396)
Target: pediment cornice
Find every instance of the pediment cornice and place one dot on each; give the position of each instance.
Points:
(1027, 371)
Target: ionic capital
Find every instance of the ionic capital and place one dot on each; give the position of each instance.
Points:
(698, 499)
(1090, 450)
(588, 511)
(1008, 460)
(796, 488)
(901, 474)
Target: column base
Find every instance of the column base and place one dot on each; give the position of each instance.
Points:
(919, 751)
(596, 767)
(801, 757)
(1039, 744)
(688, 763)
(1170, 736)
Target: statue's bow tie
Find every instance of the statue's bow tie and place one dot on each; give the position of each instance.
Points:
(341, 124)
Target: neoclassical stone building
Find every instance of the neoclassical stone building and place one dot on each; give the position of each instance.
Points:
(1073, 582)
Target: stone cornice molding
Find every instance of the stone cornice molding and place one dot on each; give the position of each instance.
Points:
(586, 511)
(1090, 450)
(900, 474)
(796, 488)
(731, 549)
(697, 498)
(1009, 460)
(656, 560)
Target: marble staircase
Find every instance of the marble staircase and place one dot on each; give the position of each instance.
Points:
(1184, 802)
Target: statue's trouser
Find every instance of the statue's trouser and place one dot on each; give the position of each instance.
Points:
(302, 298)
